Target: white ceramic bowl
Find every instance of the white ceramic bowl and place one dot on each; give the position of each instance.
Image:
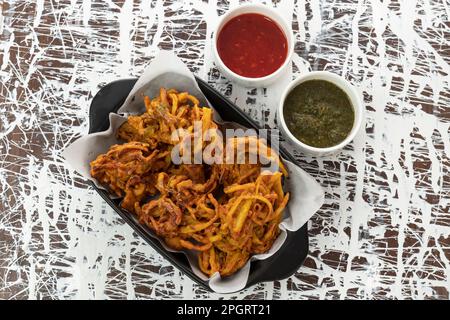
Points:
(277, 18)
(355, 101)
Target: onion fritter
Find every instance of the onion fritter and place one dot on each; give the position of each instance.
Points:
(226, 211)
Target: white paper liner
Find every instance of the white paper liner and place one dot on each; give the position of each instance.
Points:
(167, 70)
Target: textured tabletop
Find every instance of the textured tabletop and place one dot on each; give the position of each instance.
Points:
(384, 230)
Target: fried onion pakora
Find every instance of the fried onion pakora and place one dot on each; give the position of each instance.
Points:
(249, 217)
(227, 212)
(129, 170)
(165, 115)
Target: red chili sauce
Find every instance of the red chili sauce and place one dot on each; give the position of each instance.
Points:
(252, 45)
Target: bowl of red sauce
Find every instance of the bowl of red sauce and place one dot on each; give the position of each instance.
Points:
(253, 45)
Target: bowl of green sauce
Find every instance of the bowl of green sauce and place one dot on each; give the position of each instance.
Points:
(320, 113)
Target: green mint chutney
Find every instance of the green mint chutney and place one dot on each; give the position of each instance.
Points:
(318, 113)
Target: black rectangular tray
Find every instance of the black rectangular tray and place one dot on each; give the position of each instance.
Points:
(284, 263)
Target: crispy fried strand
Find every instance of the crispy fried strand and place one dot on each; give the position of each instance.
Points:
(226, 212)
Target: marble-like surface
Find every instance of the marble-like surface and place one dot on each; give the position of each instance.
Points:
(384, 231)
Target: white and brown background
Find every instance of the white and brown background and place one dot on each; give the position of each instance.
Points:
(384, 230)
